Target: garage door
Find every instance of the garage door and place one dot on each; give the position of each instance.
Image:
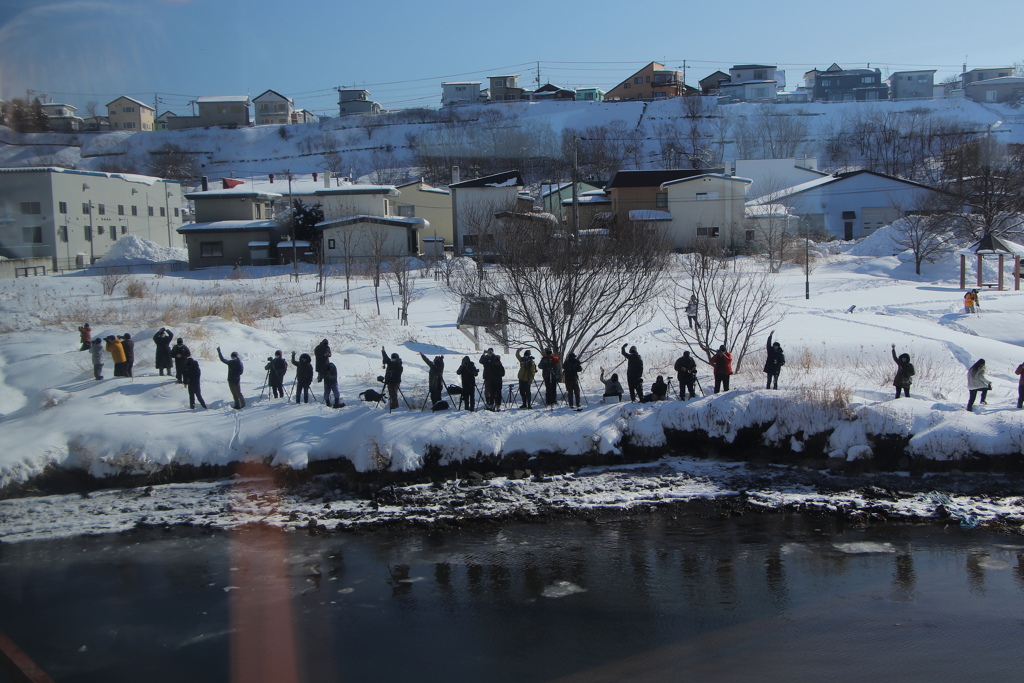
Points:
(874, 217)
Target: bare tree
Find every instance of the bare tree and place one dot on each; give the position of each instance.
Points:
(580, 294)
(736, 302)
(402, 271)
(773, 230)
(924, 230)
(111, 279)
(698, 139)
(174, 162)
(348, 238)
(387, 168)
(984, 175)
(374, 239)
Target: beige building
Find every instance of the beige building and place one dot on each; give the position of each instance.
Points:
(234, 225)
(73, 217)
(420, 200)
(223, 110)
(127, 113)
(273, 108)
(393, 235)
(475, 204)
(707, 207)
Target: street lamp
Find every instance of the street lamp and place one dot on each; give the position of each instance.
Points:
(167, 210)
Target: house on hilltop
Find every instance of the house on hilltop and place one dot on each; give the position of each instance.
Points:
(128, 113)
(652, 82)
(356, 101)
(836, 84)
(753, 83)
(271, 107)
(217, 110)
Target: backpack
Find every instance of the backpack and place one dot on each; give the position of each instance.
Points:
(910, 369)
(781, 359)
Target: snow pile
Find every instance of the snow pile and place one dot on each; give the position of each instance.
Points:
(882, 242)
(132, 250)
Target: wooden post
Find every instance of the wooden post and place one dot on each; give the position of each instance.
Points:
(1001, 262)
(980, 262)
(1016, 273)
(963, 271)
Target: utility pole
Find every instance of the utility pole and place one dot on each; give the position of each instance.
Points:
(167, 210)
(295, 249)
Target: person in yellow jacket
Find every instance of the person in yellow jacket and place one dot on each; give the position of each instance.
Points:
(971, 301)
(117, 354)
(527, 370)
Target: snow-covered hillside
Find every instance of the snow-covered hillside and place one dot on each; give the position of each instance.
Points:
(356, 139)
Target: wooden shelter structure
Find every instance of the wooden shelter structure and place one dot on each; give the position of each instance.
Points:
(992, 245)
(490, 313)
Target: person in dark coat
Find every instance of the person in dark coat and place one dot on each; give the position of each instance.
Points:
(276, 369)
(493, 371)
(904, 373)
(128, 344)
(659, 390)
(235, 369)
(85, 336)
(163, 339)
(549, 366)
(686, 373)
(303, 375)
(571, 369)
(773, 365)
(96, 351)
(330, 380)
(392, 375)
(435, 377)
(179, 354)
(192, 376)
(721, 363)
(467, 372)
(692, 308)
(321, 353)
(634, 373)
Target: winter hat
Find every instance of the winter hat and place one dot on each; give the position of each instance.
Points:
(722, 347)
(394, 356)
(323, 341)
(127, 335)
(278, 353)
(234, 354)
(466, 360)
(527, 355)
(180, 340)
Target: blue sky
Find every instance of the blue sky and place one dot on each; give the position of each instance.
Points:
(80, 50)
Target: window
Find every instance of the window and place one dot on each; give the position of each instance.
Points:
(150, 210)
(101, 209)
(707, 196)
(99, 229)
(661, 200)
(866, 79)
(62, 207)
(257, 210)
(175, 212)
(128, 110)
(135, 210)
(707, 232)
(62, 233)
(211, 249)
(638, 79)
(760, 75)
(163, 212)
(331, 244)
(751, 235)
(88, 233)
(85, 208)
(113, 233)
(124, 229)
(31, 208)
(922, 79)
(32, 235)
(659, 94)
(120, 209)
(129, 124)
(406, 210)
(470, 240)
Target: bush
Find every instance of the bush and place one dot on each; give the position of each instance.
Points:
(136, 289)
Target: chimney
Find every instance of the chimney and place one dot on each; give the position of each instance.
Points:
(455, 174)
(314, 176)
(206, 183)
(271, 178)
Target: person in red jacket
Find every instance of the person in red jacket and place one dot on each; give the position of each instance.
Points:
(722, 364)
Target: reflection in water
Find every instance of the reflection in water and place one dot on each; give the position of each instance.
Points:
(658, 597)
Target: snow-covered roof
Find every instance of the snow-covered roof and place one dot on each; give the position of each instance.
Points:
(413, 222)
(288, 244)
(991, 244)
(129, 177)
(649, 215)
(720, 176)
(222, 98)
(239, 191)
(228, 226)
(600, 198)
(1002, 80)
(767, 211)
(259, 243)
(131, 99)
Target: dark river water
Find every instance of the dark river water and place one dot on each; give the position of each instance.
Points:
(659, 597)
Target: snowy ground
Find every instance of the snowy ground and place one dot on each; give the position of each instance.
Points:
(53, 413)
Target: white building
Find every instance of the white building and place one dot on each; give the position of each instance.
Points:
(460, 92)
(74, 217)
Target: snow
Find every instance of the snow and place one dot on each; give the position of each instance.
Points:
(132, 250)
(649, 215)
